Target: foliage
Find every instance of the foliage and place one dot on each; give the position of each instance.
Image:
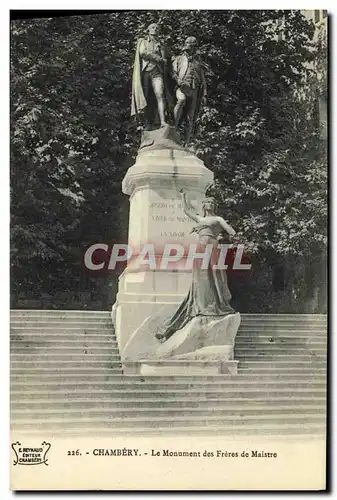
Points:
(73, 138)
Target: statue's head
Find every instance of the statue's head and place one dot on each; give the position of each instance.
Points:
(153, 29)
(191, 44)
(209, 205)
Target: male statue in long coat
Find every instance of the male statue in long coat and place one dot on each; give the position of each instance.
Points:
(149, 87)
(191, 92)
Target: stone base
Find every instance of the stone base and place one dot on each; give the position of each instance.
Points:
(157, 218)
(161, 138)
(201, 332)
(205, 345)
(181, 367)
(133, 323)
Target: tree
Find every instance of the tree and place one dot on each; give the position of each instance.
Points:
(73, 138)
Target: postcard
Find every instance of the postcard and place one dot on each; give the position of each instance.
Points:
(168, 323)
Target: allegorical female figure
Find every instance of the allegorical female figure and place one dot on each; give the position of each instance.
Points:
(208, 294)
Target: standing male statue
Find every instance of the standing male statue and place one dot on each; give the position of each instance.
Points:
(191, 93)
(149, 78)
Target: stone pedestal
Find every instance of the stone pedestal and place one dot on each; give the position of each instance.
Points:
(148, 295)
(185, 368)
(157, 217)
(205, 345)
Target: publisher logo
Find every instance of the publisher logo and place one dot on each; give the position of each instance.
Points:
(30, 456)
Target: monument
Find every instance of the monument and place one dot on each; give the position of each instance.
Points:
(191, 91)
(172, 319)
(150, 88)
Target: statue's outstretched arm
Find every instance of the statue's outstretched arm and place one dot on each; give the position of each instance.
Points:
(187, 209)
(226, 226)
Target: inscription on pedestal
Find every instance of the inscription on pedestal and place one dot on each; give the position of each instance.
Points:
(169, 223)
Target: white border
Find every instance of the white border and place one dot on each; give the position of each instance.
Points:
(4, 171)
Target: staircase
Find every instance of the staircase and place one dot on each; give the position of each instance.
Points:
(66, 378)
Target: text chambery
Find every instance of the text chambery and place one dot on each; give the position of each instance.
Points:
(173, 453)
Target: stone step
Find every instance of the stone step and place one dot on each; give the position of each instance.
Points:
(281, 319)
(96, 396)
(64, 356)
(88, 362)
(245, 321)
(270, 319)
(88, 349)
(27, 353)
(281, 365)
(104, 392)
(62, 328)
(266, 339)
(108, 401)
(46, 371)
(250, 371)
(108, 312)
(242, 414)
(282, 327)
(107, 345)
(282, 338)
(45, 322)
(285, 350)
(270, 431)
(114, 369)
(224, 381)
(110, 338)
(76, 335)
(59, 312)
(96, 315)
(64, 350)
(108, 419)
(309, 360)
(82, 363)
(244, 332)
(53, 340)
(106, 341)
(60, 319)
(113, 364)
(280, 351)
(288, 323)
(250, 354)
(83, 368)
(311, 353)
(281, 316)
(290, 358)
(278, 320)
(249, 328)
(169, 391)
(281, 341)
(242, 336)
(51, 344)
(84, 347)
(22, 377)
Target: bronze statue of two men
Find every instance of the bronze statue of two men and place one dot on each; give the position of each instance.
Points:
(156, 79)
